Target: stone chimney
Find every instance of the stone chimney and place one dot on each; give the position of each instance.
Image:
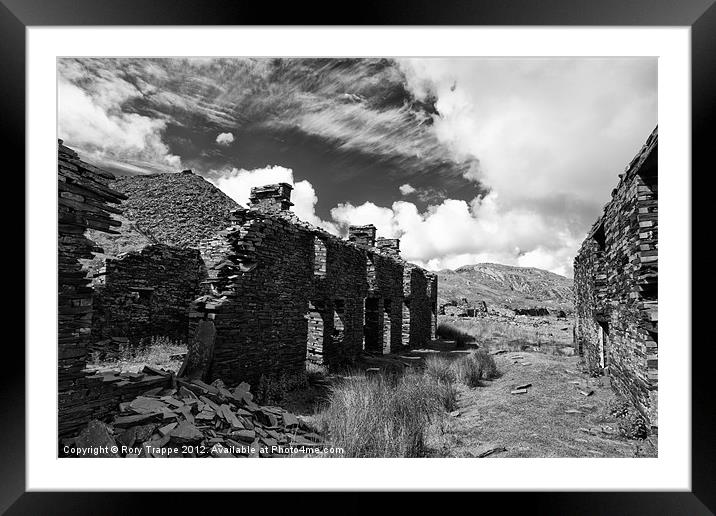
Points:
(364, 235)
(275, 197)
(389, 245)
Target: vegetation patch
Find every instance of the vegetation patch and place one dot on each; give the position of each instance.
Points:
(632, 424)
(161, 352)
(447, 331)
(384, 416)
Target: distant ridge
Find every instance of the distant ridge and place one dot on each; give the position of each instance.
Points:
(505, 285)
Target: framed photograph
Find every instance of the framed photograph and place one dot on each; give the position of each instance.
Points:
(412, 251)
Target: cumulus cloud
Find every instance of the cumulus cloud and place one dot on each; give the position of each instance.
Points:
(456, 233)
(225, 139)
(237, 184)
(92, 121)
(406, 189)
(546, 136)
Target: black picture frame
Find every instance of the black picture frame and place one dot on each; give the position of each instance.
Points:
(700, 15)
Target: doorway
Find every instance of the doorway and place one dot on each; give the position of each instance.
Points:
(603, 343)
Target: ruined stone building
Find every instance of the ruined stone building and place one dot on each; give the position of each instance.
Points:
(253, 291)
(85, 202)
(281, 291)
(616, 285)
(151, 269)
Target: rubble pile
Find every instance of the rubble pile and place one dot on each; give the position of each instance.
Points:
(196, 419)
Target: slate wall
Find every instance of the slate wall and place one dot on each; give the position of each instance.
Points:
(85, 201)
(146, 294)
(280, 291)
(616, 286)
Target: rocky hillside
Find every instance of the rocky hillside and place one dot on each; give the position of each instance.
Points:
(505, 285)
(177, 209)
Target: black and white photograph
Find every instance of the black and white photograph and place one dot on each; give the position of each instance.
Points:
(436, 257)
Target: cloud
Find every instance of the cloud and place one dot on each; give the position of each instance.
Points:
(225, 139)
(406, 189)
(547, 137)
(456, 233)
(539, 141)
(237, 184)
(354, 106)
(92, 121)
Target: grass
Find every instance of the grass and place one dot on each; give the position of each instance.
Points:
(548, 334)
(486, 363)
(390, 415)
(440, 368)
(447, 331)
(159, 352)
(538, 423)
(469, 370)
(385, 416)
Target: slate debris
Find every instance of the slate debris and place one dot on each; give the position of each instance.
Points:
(216, 421)
(520, 388)
(97, 435)
(487, 453)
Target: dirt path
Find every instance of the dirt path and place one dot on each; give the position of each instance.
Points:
(537, 423)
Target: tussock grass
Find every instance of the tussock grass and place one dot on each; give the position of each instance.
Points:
(390, 414)
(384, 416)
(440, 368)
(486, 363)
(469, 372)
(448, 394)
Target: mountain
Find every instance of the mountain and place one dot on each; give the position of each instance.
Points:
(505, 285)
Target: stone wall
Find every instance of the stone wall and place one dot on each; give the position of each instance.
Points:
(281, 291)
(616, 286)
(152, 269)
(85, 202)
(145, 294)
(258, 298)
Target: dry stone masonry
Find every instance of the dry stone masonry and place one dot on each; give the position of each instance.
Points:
(281, 291)
(152, 270)
(255, 292)
(616, 286)
(85, 201)
(146, 294)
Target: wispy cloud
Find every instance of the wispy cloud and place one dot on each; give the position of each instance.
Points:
(92, 119)
(539, 142)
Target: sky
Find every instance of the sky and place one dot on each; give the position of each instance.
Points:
(466, 160)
